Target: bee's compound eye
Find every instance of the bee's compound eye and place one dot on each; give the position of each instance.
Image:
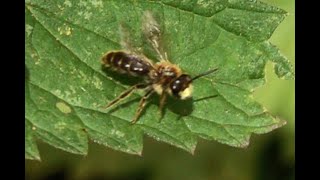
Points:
(181, 87)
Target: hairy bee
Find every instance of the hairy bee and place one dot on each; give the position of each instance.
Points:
(162, 77)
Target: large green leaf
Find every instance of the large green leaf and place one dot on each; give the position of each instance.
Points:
(66, 87)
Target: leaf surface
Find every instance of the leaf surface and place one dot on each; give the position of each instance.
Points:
(66, 87)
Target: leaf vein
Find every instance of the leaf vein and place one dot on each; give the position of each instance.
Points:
(157, 130)
(48, 13)
(221, 125)
(58, 138)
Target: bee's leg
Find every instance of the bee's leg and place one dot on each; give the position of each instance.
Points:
(125, 94)
(142, 103)
(163, 98)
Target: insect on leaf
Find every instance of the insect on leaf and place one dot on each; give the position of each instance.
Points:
(66, 86)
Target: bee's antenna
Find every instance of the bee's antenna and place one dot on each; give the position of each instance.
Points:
(204, 74)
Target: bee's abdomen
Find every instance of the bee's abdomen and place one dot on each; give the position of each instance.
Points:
(126, 63)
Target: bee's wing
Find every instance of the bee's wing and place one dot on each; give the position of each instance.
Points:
(152, 32)
(126, 41)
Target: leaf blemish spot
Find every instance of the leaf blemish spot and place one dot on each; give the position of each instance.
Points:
(117, 133)
(98, 83)
(68, 3)
(28, 29)
(34, 128)
(60, 126)
(97, 3)
(63, 107)
(66, 30)
(87, 15)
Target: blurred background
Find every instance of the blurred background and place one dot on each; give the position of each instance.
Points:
(268, 157)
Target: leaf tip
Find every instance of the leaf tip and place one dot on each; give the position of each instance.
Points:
(193, 149)
(281, 123)
(33, 158)
(139, 153)
(245, 144)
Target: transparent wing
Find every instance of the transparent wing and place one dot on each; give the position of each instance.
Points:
(126, 41)
(152, 32)
(127, 44)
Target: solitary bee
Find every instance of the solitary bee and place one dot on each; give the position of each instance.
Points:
(162, 77)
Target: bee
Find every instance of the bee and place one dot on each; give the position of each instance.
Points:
(163, 78)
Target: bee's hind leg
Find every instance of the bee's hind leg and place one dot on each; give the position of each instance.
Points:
(163, 98)
(125, 94)
(142, 104)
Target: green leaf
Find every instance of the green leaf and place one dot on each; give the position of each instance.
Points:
(54, 121)
(31, 151)
(66, 87)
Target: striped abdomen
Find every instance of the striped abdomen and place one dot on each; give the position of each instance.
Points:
(126, 63)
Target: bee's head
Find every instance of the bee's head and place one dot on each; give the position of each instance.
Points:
(181, 87)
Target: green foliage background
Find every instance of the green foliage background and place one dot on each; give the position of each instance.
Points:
(269, 156)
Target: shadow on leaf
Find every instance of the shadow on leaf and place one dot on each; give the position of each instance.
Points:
(180, 107)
